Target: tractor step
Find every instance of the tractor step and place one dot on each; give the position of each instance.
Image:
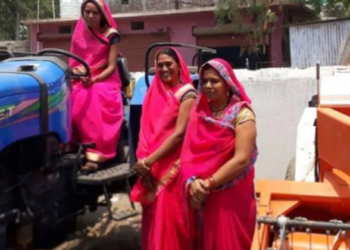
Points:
(105, 176)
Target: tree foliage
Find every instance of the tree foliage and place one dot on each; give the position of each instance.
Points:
(331, 8)
(238, 12)
(27, 9)
(262, 18)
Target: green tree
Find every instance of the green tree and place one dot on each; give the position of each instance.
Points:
(26, 9)
(332, 8)
(256, 32)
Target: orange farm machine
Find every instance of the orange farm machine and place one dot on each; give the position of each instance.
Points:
(313, 213)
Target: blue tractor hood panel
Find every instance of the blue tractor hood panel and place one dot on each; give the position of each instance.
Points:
(15, 74)
(141, 89)
(35, 99)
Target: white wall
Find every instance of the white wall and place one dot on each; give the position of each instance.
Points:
(70, 8)
(279, 97)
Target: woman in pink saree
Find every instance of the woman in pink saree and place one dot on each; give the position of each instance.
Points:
(97, 100)
(217, 164)
(165, 113)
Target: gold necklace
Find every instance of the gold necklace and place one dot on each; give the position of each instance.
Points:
(217, 112)
(221, 108)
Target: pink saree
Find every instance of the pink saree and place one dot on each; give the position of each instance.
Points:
(227, 218)
(98, 109)
(159, 115)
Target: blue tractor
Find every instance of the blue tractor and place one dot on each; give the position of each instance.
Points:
(41, 186)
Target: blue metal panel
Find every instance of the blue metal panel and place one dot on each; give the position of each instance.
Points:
(141, 89)
(20, 102)
(48, 71)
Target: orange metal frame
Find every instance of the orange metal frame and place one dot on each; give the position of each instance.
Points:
(321, 201)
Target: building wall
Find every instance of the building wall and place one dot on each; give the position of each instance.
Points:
(179, 28)
(324, 42)
(71, 8)
(155, 5)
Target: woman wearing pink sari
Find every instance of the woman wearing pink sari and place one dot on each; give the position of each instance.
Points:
(165, 113)
(217, 164)
(97, 100)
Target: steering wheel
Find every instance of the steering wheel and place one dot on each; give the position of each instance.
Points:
(87, 72)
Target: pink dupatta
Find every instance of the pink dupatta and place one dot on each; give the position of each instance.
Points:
(93, 46)
(208, 145)
(159, 114)
(211, 142)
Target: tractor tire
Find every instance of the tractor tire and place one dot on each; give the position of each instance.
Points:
(290, 173)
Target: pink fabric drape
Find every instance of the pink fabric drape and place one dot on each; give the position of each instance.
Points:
(227, 219)
(159, 114)
(97, 110)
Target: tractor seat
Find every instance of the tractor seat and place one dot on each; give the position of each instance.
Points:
(192, 69)
(122, 65)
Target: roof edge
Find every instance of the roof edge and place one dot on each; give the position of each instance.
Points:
(125, 15)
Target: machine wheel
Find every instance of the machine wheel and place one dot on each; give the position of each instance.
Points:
(290, 174)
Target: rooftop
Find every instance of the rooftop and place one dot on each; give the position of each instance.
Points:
(125, 15)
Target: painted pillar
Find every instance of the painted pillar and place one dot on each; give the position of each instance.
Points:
(276, 55)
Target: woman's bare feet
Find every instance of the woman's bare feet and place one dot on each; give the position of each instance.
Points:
(91, 166)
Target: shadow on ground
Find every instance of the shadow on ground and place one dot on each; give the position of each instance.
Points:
(96, 232)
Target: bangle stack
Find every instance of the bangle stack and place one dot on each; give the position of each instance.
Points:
(212, 183)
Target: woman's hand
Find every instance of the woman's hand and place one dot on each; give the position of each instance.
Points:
(141, 168)
(198, 192)
(86, 81)
(195, 205)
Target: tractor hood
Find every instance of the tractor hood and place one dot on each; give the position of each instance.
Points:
(24, 75)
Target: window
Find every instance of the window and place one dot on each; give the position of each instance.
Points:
(224, 20)
(64, 29)
(125, 2)
(137, 25)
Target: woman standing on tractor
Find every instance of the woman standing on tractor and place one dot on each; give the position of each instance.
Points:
(97, 100)
(165, 114)
(216, 177)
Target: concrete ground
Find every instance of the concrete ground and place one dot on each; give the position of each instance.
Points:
(95, 232)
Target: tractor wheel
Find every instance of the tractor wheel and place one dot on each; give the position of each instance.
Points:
(290, 174)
